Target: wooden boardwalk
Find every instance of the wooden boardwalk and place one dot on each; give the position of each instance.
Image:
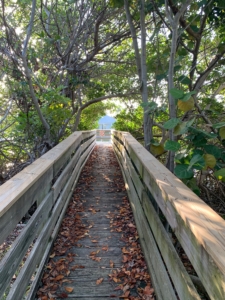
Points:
(96, 254)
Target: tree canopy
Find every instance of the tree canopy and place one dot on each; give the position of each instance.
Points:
(60, 60)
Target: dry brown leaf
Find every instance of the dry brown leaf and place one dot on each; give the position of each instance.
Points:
(59, 277)
(98, 259)
(94, 253)
(148, 290)
(52, 255)
(94, 241)
(125, 295)
(111, 263)
(125, 258)
(105, 248)
(116, 279)
(99, 281)
(69, 289)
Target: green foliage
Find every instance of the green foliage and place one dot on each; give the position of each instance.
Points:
(172, 123)
(130, 120)
(182, 171)
(96, 111)
(172, 146)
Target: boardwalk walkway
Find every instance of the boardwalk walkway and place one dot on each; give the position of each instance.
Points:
(97, 254)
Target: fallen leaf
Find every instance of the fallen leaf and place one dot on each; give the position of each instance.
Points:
(105, 248)
(59, 277)
(125, 295)
(94, 253)
(99, 281)
(69, 289)
(111, 263)
(94, 241)
(125, 258)
(52, 255)
(98, 259)
(148, 290)
(131, 225)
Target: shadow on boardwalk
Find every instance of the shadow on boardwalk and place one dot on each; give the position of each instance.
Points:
(96, 254)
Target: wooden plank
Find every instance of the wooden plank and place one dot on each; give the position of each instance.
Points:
(60, 182)
(22, 243)
(15, 187)
(181, 280)
(19, 287)
(88, 133)
(199, 229)
(66, 148)
(14, 211)
(19, 193)
(69, 190)
(86, 144)
(159, 276)
(35, 283)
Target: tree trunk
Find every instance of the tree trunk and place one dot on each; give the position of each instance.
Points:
(141, 67)
(144, 89)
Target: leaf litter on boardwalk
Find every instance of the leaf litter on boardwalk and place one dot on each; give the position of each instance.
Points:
(132, 278)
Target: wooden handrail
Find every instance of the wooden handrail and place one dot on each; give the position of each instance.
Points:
(49, 183)
(199, 229)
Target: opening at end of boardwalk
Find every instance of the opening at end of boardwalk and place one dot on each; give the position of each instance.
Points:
(97, 254)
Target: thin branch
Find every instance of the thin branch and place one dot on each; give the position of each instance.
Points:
(29, 29)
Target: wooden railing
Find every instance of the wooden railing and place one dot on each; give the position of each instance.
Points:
(156, 194)
(48, 183)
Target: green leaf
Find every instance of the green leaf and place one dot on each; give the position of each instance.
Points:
(179, 157)
(161, 76)
(182, 52)
(222, 133)
(170, 124)
(219, 125)
(187, 96)
(190, 122)
(182, 172)
(194, 28)
(191, 44)
(184, 80)
(172, 146)
(197, 162)
(214, 150)
(197, 132)
(177, 94)
(220, 174)
(180, 129)
(177, 68)
(154, 142)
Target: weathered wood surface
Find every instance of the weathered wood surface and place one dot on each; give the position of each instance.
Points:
(159, 275)
(98, 190)
(145, 213)
(34, 184)
(198, 228)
